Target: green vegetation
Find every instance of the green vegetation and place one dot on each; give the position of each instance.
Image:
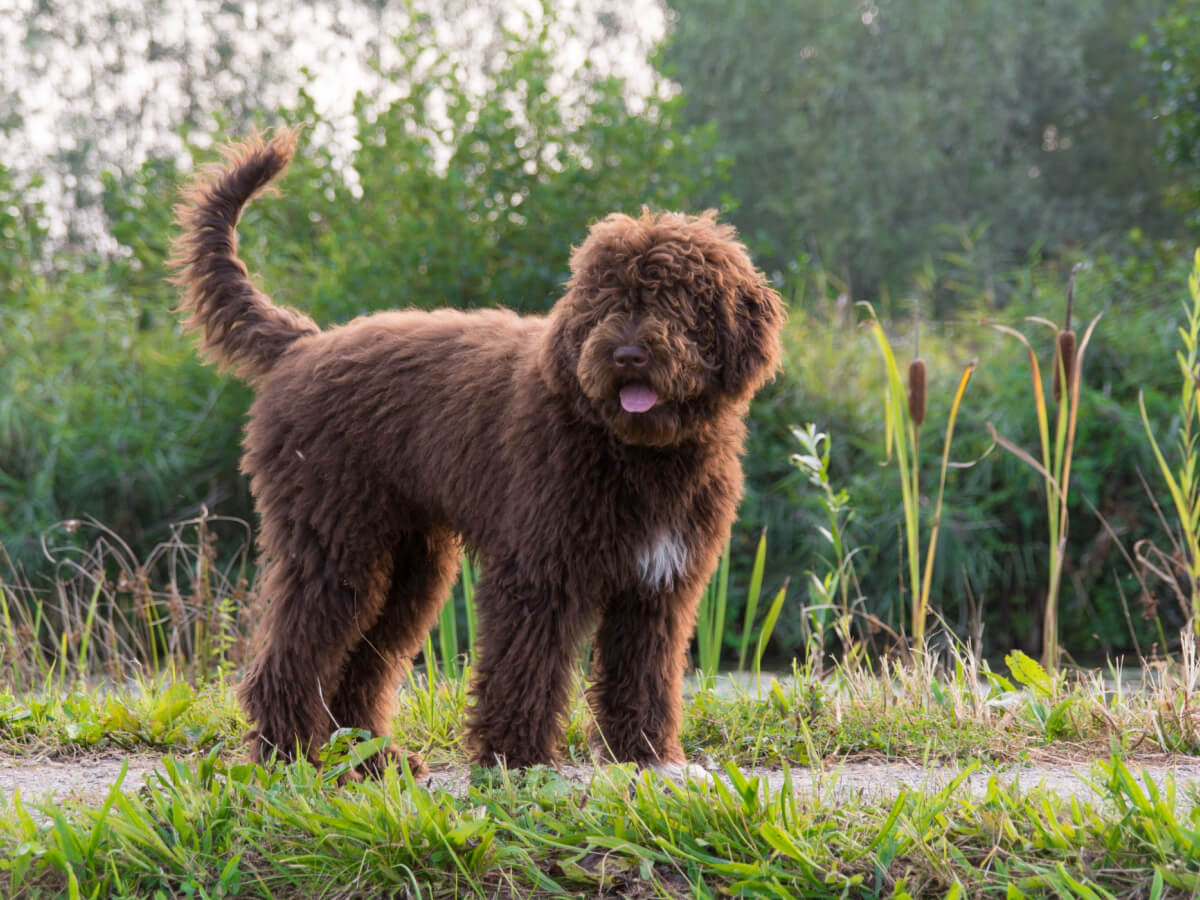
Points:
(461, 182)
(993, 555)
(215, 829)
(866, 138)
(902, 433)
(1056, 454)
(1182, 478)
(208, 824)
(1172, 50)
(964, 160)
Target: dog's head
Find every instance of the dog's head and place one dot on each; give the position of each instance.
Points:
(664, 322)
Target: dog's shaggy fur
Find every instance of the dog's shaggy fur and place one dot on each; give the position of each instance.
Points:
(589, 457)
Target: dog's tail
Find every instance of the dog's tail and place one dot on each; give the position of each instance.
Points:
(242, 328)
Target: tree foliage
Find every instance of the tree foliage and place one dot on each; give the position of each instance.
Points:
(858, 130)
(1172, 52)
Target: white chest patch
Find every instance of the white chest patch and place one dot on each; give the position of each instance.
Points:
(662, 562)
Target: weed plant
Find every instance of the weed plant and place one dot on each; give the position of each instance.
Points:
(110, 615)
(829, 592)
(1056, 456)
(713, 628)
(1180, 567)
(902, 424)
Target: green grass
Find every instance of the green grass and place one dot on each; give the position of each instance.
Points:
(211, 827)
(208, 824)
(955, 708)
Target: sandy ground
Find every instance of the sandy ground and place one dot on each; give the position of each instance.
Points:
(90, 778)
(87, 778)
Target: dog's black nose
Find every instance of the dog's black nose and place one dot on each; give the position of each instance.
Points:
(630, 355)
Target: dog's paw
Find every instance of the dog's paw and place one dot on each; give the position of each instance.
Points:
(682, 773)
(388, 758)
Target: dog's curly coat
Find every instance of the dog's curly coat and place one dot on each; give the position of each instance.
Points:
(589, 457)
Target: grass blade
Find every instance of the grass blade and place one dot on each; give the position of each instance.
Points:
(752, 596)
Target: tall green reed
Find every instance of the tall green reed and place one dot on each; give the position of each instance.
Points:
(904, 411)
(445, 658)
(1183, 480)
(1056, 451)
(711, 624)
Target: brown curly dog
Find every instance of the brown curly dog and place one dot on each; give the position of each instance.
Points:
(589, 457)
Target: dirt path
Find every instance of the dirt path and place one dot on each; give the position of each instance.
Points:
(90, 778)
(87, 778)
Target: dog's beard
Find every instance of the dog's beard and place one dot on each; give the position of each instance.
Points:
(650, 402)
(645, 408)
(661, 426)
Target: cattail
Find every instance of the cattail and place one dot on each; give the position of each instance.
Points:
(1064, 348)
(916, 372)
(916, 391)
(1064, 361)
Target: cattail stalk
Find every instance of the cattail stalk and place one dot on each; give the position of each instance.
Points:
(916, 391)
(1064, 346)
(916, 373)
(1064, 362)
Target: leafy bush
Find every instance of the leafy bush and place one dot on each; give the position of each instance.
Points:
(106, 412)
(1172, 54)
(857, 131)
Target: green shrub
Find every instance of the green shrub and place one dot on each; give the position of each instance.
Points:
(1171, 52)
(994, 534)
(858, 131)
(107, 413)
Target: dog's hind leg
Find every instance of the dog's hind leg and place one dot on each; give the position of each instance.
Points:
(424, 566)
(319, 606)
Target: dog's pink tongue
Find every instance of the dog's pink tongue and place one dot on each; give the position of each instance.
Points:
(638, 398)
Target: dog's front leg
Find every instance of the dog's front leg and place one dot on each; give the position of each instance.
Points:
(636, 691)
(529, 637)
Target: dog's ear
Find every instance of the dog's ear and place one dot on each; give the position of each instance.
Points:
(557, 357)
(751, 346)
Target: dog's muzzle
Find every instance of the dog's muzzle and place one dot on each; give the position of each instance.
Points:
(636, 396)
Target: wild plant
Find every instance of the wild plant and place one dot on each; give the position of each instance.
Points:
(1183, 480)
(830, 592)
(711, 625)
(445, 657)
(1055, 464)
(710, 620)
(110, 614)
(904, 410)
